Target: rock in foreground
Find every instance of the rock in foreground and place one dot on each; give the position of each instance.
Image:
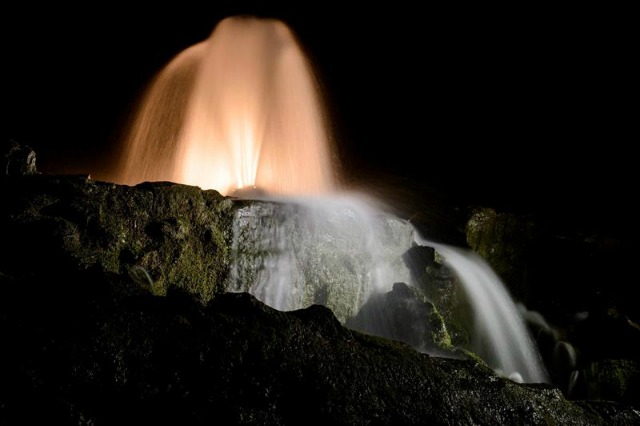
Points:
(87, 352)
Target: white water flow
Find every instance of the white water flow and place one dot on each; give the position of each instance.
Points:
(500, 336)
(242, 109)
(335, 250)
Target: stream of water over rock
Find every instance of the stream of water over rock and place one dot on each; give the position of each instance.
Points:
(242, 110)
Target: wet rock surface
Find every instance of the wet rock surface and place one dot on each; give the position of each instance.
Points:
(114, 311)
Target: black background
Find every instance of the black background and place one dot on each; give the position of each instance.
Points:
(524, 109)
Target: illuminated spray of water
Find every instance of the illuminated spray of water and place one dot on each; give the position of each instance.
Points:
(242, 109)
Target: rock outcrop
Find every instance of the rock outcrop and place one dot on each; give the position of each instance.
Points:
(579, 302)
(114, 310)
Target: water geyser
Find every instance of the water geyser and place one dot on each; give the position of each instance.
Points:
(241, 109)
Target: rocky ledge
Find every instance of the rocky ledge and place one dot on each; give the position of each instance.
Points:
(87, 339)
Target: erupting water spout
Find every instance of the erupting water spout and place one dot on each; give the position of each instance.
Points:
(241, 113)
(240, 109)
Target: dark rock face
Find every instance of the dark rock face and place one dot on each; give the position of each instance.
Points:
(502, 240)
(403, 316)
(18, 160)
(87, 351)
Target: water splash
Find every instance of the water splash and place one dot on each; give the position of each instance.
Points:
(242, 109)
(337, 251)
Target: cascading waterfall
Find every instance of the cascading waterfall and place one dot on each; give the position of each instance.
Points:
(242, 110)
(334, 250)
(501, 335)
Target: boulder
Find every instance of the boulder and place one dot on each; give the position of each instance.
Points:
(87, 350)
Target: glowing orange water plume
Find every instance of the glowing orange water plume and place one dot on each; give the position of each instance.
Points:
(239, 109)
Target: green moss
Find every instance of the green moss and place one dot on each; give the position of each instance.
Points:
(179, 234)
(466, 353)
(614, 379)
(502, 240)
(439, 335)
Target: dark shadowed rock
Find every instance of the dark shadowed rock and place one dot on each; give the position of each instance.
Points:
(87, 352)
(17, 159)
(402, 315)
(503, 239)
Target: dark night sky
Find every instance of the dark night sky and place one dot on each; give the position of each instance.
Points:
(523, 109)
